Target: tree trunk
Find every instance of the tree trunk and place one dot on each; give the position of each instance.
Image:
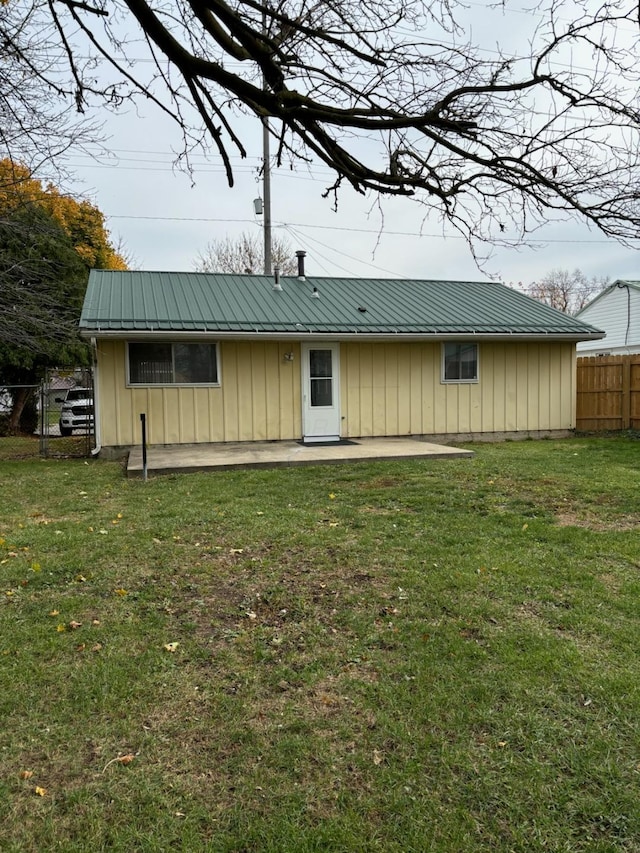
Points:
(20, 397)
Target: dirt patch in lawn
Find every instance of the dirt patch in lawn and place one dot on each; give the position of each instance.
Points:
(591, 521)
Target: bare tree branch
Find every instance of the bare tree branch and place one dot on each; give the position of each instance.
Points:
(245, 255)
(390, 95)
(567, 291)
(38, 114)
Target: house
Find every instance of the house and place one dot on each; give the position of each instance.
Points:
(616, 310)
(219, 358)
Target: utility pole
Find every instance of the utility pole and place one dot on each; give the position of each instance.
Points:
(266, 189)
(266, 167)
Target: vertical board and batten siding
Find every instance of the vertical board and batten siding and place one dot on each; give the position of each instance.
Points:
(608, 393)
(387, 389)
(258, 399)
(396, 389)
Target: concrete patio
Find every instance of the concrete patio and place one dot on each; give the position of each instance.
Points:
(273, 454)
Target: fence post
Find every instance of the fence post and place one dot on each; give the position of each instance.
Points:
(143, 421)
(44, 420)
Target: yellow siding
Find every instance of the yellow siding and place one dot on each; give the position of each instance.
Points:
(258, 399)
(522, 387)
(386, 389)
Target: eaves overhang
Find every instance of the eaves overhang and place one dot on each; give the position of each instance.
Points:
(304, 334)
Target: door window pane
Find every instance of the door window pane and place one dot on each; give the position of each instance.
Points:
(320, 363)
(321, 377)
(321, 392)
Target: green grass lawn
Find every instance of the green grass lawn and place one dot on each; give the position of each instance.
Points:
(433, 655)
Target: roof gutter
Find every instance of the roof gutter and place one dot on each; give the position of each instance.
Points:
(306, 335)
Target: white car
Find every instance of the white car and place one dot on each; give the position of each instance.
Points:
(77, 410)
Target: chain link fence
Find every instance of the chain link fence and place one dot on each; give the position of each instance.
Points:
(53, 419)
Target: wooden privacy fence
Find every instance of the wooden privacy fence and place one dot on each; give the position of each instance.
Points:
(608, 395)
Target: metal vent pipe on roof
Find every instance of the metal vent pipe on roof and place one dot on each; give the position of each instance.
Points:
(301, 256)
(276, 279)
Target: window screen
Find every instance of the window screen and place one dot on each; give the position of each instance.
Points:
(460, 363)
(160, 363)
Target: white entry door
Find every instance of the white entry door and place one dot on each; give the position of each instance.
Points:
(321, 392)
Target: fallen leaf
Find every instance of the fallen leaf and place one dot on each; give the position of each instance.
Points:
(236, 550)
(119, 515)
(251, 614)
(157, 541)
(41, 792)
(377, 757)
(524, 526)
(61, 628)
(103, 531)
(35, 567)
(121, 591)
(332, 497)
(502, 743)
(26, 774)
(75, 625)
(97, 647)
(54, 613)
(120, 759)
(170, 647)
(80, 578)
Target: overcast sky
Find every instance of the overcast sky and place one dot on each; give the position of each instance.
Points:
(164, 220)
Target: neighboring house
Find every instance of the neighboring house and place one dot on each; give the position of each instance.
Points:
(616, 310)
(218, 358)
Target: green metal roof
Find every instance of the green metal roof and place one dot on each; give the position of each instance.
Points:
(135, 302)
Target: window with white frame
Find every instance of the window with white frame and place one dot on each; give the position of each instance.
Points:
(459, 362)
(167, 363)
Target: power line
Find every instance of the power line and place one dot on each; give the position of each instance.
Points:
(299, 236)
(539, 241)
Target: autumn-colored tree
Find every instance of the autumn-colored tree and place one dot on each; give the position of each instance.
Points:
(48, 242)
(81, 221)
